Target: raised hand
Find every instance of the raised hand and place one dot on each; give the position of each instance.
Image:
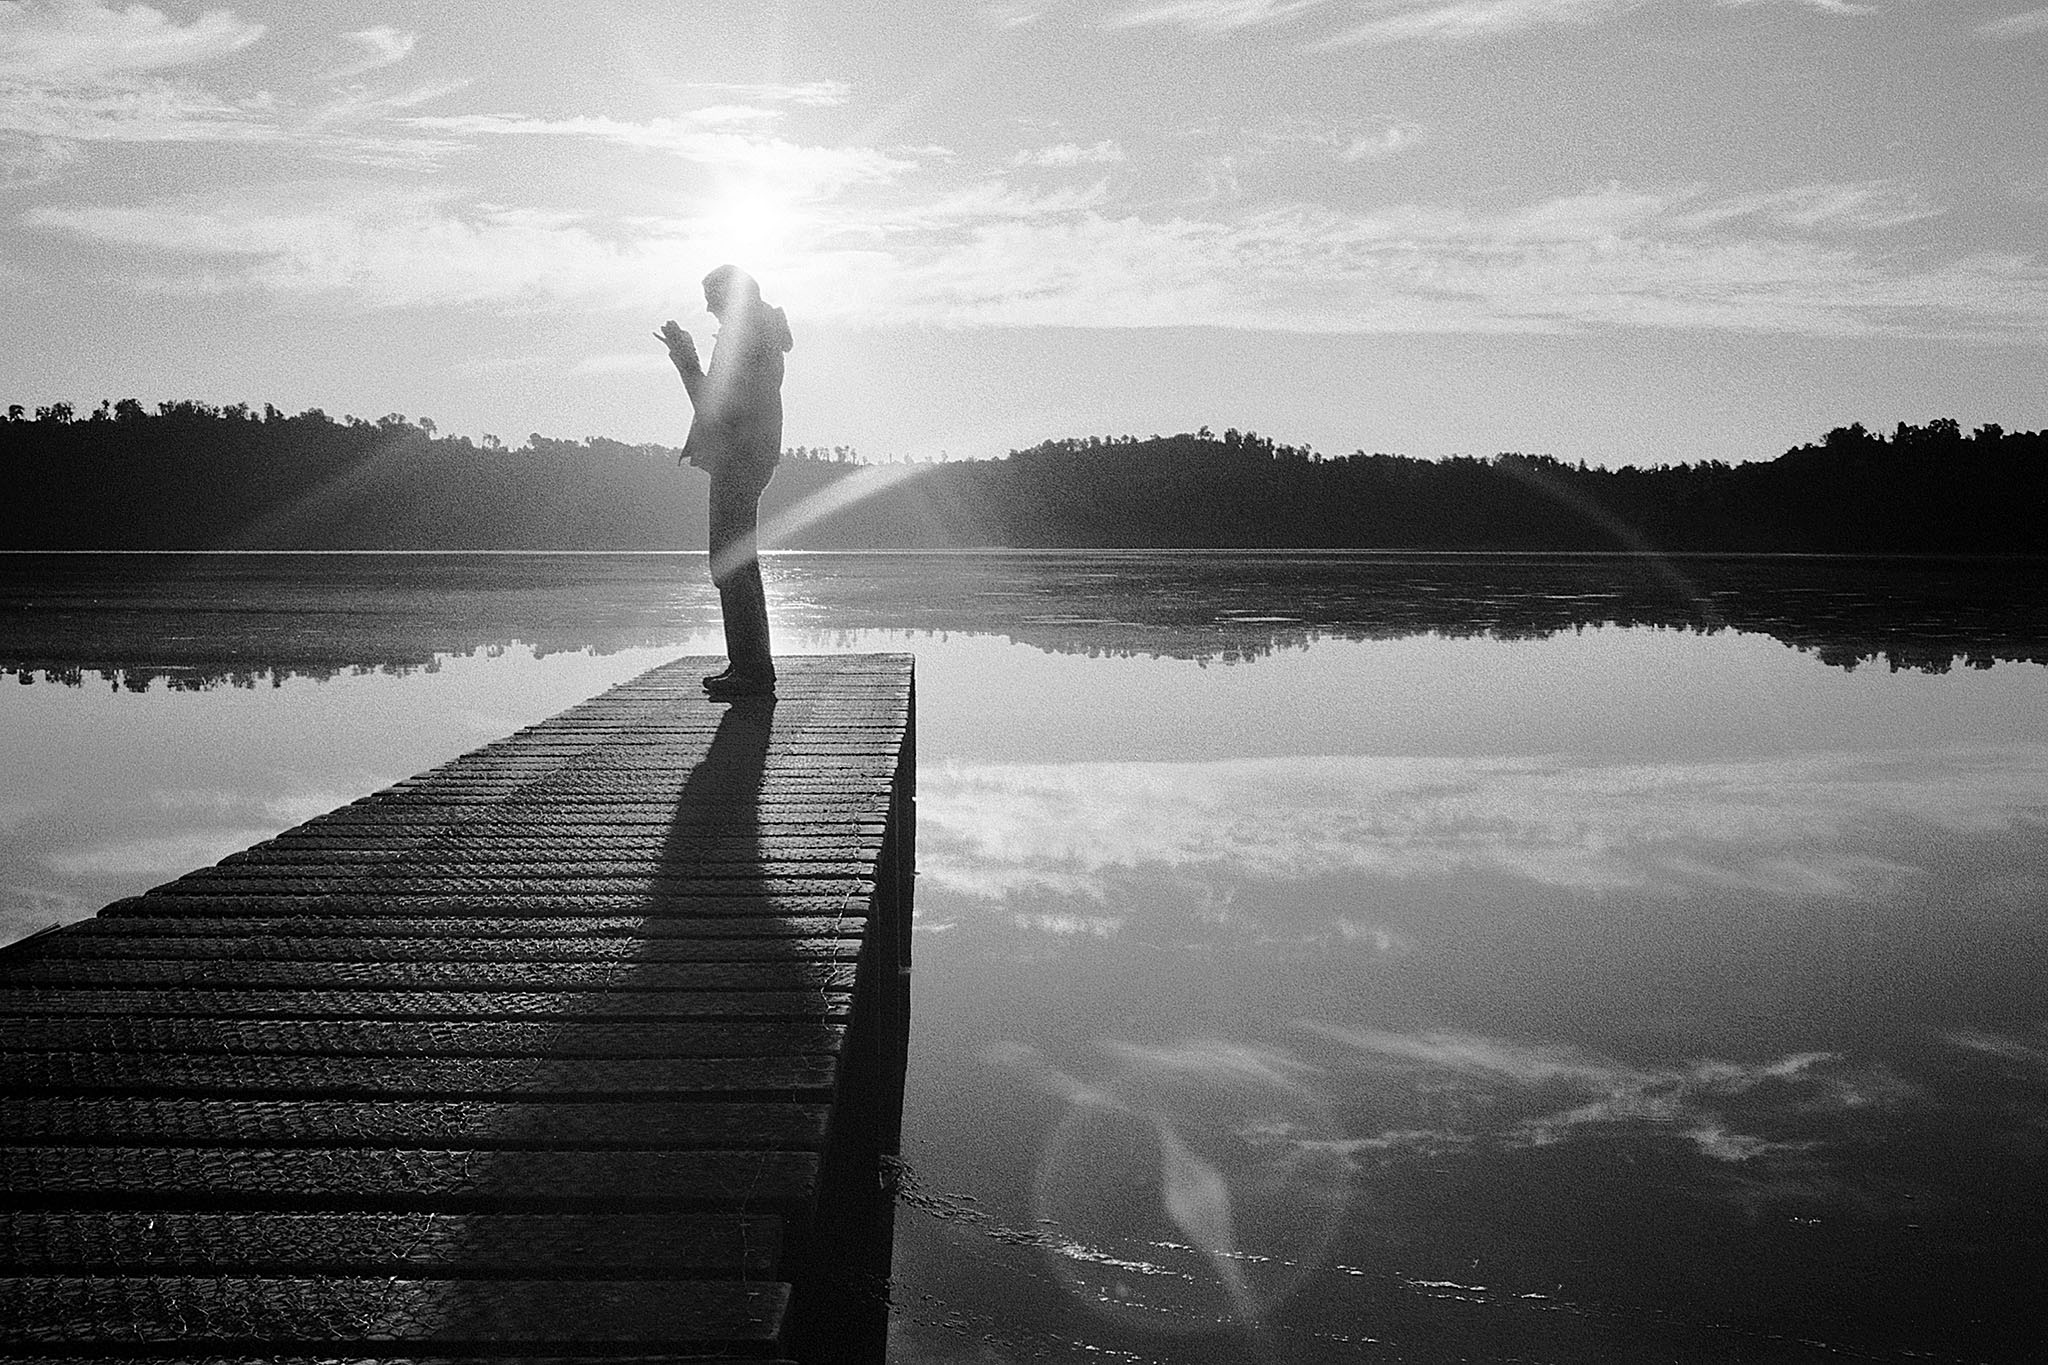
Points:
(681, 348)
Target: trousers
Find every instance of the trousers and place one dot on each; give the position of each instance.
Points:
(736, 490)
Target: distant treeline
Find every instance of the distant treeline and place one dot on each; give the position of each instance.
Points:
(192, 476)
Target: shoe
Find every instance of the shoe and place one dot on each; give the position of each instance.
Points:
(712, 680)
(733, 686)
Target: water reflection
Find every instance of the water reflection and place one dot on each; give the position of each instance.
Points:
(205, 620)
(1504, 959)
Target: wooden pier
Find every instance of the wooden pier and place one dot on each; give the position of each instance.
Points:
(583, 1046)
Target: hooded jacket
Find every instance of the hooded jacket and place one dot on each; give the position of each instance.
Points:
(738, 419)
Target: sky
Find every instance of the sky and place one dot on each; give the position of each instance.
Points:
(1624, 231)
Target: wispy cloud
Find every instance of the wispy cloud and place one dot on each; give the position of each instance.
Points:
(1071, 154)
(1394, 21)
(706, 137)
(1852, 8)
(384, 248)
(132, 111)
(815, 94)
(26, 160)
(167, 855)
(1865, 206)
(1012, 13)
(622, 362)
(376, 47)
(1397, 21)
(860, 234)
(82, 40)
(1615, 258)
(1390, 141)
(2025, 24)
(77, 71)
(1211, 16)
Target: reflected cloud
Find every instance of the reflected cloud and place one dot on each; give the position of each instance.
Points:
(1071, 926)
(1508, 1095)
(1800, 826)
(2019, 1059)
(167, 856)
(2028, 1051)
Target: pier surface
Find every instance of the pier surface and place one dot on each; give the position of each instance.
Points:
(581, 1046)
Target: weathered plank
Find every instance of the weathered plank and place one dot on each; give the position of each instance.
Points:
(447, 947)
(463, 1123)
(786, 1077)
(42, 1176)
(449, 905)
(237, 1310)
(367, 1243)
(496, 1037)
(292, 920)
(420, 1006)
(782, 973)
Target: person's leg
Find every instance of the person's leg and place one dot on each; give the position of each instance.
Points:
(727, 530)
(736, 569)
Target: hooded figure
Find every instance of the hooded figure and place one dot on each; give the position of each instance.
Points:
(736, 437)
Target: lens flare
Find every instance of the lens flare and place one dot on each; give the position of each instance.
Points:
(1192, 1190)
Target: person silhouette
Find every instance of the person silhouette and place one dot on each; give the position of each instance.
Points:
(736, 437)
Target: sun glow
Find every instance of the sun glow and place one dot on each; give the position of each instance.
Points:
(751, 224)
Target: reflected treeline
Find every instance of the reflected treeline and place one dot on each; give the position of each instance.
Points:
(195, 621)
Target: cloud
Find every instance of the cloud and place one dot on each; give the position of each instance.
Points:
(987, 201)
(1391, 141)
(814, 94)
(1603, 259)
(166, 855)
(80, 40)
(1512, 1094)
(1398, 21)
(1852, 8)
(1211, 17)
(1407, 20)
(81, 73)
(1863, 206)
(75, 72)
(136, 111)
(626, 362)
(384, 248)
(1011, 13)
(381, 46)
(705, 137)
(1789, 828)
(1071, 154)
(2029, 1052)
(852, 234)
(26, 160)
(2025, 24)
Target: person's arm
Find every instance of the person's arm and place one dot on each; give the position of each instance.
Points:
(683, 352)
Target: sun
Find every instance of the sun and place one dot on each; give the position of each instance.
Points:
(751, 223)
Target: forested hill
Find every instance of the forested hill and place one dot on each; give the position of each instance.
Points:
(189, 476)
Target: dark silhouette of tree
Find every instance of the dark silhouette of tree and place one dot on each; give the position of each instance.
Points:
(194, 476)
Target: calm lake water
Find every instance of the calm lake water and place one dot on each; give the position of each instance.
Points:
(1319, 957)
